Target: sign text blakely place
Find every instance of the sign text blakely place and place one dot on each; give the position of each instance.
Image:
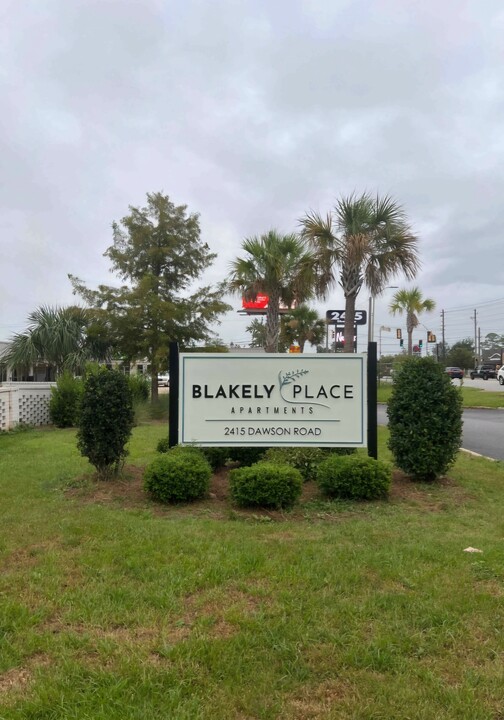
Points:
(272, 399)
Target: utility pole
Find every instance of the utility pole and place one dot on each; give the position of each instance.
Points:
(479, 343)
(443, 333)
(476, 354)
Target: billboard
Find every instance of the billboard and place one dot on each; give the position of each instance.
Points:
(260, 305)
(273, 400)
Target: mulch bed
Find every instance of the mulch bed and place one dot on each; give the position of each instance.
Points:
(128, 493)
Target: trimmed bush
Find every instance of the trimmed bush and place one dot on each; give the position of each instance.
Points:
(265, 484)
(246, 455)
(216, 456)
(180, 475)
(64, 406)
(425, 419)
(354, 477)
(304, 459)
(163, 445)
(106, 421)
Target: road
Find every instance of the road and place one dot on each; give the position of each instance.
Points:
(491, 385)
(483, 430)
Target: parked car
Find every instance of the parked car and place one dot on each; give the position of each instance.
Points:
(163, 379)
(483, 371)
(500, 375)
(455, 372)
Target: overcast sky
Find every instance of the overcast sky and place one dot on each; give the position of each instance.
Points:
(251, 112)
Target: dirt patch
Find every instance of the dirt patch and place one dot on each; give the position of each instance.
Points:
(128, 492)
(212, 615)
(15, 680)
(429, 495)
(29, 555)
(318, 701)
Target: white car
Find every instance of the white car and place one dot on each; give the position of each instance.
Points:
(500, 376)
(163, 379)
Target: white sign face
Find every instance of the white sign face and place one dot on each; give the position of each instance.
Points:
(273, 399)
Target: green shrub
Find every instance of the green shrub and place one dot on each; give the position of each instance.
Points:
(265, 484)
(425, 419)
(147, 410)
(340, 451)
(106, 420)
(163, 445)
(216, 456)
(180, 475)
(246, 455)
(64, 405)
(140, 388)
(304, 459)
(354, 478)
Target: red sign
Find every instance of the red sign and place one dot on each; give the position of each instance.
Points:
(260, 303)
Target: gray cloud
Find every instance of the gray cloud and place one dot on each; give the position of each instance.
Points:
(251, 113)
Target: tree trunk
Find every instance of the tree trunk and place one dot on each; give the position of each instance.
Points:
(410, 326)
(154, 383)
(272, 322)
(349, 323)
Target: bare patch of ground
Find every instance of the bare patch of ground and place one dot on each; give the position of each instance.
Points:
(430, 496)
(16, 680)
(214, 614)
(318, 701)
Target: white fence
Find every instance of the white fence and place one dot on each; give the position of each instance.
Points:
(24, 402)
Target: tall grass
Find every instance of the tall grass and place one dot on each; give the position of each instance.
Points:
(146, 411)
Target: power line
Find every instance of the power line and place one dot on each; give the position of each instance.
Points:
(471, 307)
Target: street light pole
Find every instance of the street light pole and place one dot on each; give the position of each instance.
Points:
(372, 312)
(426, 338)
(370, 319)
(386, 329)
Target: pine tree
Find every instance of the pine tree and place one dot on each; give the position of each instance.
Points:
(157, 253)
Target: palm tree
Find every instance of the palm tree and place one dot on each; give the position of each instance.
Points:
(412, 303)
(303, 325)
(64, 338)
(369, 240)
(278, 266)
(257, 330)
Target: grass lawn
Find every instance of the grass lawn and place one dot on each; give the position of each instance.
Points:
(471, 397)
(111, 608)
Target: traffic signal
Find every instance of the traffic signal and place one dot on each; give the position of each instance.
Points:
(420, 343)
(431, 337)
(398, 334)
(401, 342)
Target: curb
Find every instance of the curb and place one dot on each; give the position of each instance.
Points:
(479, 455)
